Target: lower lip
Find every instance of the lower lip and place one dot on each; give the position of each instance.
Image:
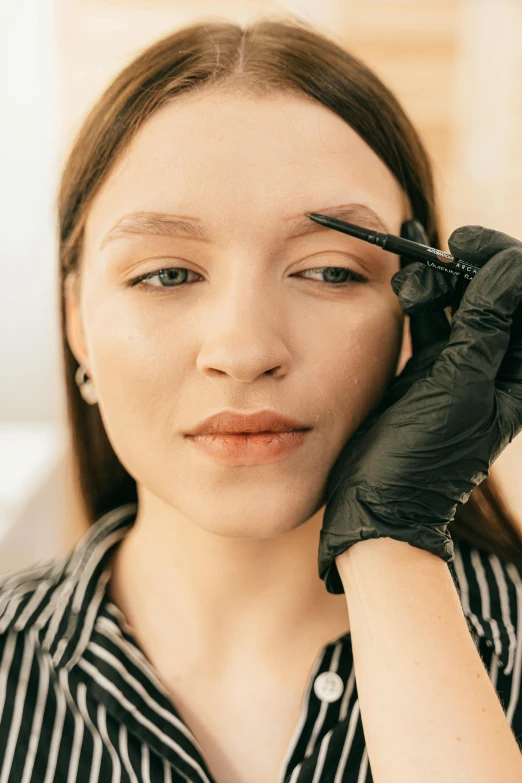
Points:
(254, 449)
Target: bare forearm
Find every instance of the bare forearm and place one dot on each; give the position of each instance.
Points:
(428, 708)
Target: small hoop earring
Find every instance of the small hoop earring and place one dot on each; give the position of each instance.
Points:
(86, 386)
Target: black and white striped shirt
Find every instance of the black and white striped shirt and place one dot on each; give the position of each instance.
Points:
(79, 700)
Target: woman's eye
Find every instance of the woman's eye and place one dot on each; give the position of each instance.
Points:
(337, 276)
(175, 277)
(171, 276)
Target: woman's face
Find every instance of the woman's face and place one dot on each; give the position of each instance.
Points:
(248, 319)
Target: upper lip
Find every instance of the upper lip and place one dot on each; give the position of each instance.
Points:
(261, 421)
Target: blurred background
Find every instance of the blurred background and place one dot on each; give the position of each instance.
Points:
(456, 66)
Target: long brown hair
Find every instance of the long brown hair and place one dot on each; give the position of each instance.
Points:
(271, 56)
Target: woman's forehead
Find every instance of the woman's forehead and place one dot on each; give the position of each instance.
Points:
(255, 158)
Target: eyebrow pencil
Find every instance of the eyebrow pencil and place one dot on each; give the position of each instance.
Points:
(400, 246)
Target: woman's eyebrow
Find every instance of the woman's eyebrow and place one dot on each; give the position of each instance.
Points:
(164, 224)
(360, 214)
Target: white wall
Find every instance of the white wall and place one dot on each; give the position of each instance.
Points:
(29, 144)
(32, 481)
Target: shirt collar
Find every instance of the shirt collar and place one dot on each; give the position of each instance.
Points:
(76, 586)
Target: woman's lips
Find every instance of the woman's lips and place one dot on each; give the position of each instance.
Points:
(256, 448)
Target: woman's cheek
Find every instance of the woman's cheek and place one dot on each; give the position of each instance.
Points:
(369, 362)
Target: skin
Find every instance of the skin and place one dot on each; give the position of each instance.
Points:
(239, 544)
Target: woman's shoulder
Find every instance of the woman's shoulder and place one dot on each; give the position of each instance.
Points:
(25, 594)
(490, 592)
(45, 592)
(57, 599)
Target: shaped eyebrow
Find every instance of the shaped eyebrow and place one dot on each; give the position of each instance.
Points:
(360, 214)
(165, 224)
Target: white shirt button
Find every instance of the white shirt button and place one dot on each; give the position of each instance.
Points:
(328, 686)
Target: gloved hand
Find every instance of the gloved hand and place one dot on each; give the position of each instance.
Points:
(446, 418)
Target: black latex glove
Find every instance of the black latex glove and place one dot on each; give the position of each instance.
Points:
(442, 423)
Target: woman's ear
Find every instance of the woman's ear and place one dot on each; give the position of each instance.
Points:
(406, 349)
(73, 320)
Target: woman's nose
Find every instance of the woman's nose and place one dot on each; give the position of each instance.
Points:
(246, 336)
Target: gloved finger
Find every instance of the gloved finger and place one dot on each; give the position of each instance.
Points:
(481, 326)
(478, 244)
(414, 230)
(422, 289)
(429, 326)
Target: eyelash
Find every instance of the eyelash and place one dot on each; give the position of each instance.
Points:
(356, 277)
